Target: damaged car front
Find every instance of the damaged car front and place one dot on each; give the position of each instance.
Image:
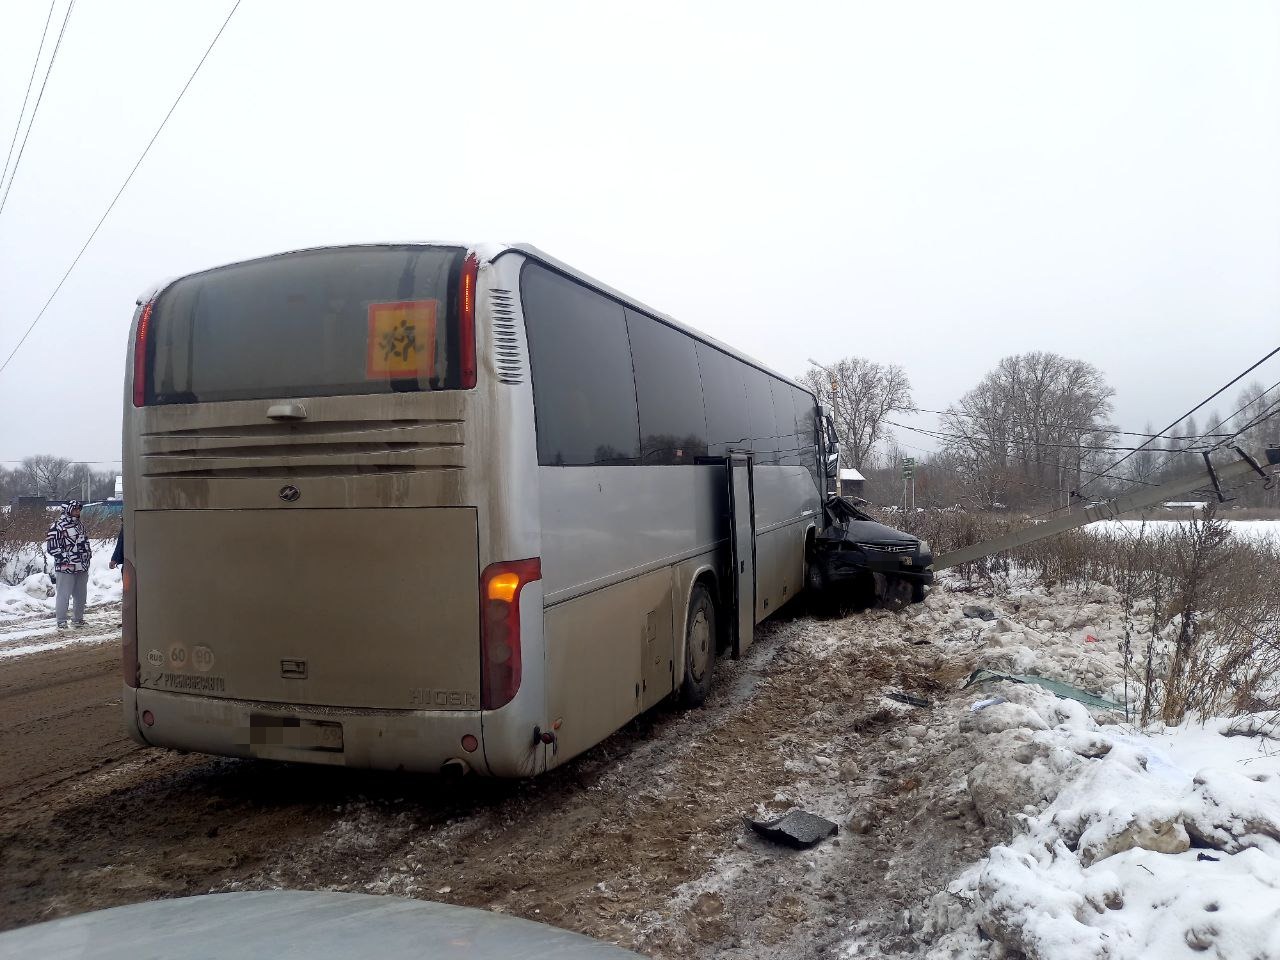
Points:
(863, 560)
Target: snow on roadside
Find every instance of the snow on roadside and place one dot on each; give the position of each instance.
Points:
(34, 595)
(1122, 844)
(1258, 531)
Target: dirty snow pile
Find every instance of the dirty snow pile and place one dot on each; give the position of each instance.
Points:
(1162, 843)
(33, 594)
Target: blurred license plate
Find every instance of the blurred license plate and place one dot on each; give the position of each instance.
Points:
(272, 731)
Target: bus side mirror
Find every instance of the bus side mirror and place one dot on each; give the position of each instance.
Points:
(833, 447)
(833, 464)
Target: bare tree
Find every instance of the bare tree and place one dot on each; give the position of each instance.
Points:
(861, 394)
(1032, 427)
(50, 476)
(1142, 466)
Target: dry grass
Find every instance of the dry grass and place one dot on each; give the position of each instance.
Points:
(1200, 607)
(22, 535)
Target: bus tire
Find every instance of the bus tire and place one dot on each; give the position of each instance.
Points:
(699, 647)
(821, 598)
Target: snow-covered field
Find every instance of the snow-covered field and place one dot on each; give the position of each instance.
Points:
(27, 608)
(1256, 530)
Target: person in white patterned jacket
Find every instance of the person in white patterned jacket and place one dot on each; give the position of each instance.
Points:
(69, 547)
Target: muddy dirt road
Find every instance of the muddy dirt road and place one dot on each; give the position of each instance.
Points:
(641, 841)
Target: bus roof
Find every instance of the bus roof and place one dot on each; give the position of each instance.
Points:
(487, 253)
(490, 252)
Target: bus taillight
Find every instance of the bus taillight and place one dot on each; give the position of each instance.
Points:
(129, 649)
(500, 587)
(140, 356)
(467, 321)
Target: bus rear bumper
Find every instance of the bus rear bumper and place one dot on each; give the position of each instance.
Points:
(421, 741)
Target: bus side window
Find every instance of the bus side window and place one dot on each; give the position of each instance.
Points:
(725, 395)
(584, 395)
(673, 425)
(764, 429)
(784, 413)
(806, 429)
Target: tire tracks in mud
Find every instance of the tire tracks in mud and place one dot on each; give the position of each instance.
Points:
(640, 841)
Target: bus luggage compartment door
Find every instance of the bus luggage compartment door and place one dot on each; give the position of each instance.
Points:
(742, 551)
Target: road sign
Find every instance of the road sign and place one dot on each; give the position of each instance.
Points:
(908, 467)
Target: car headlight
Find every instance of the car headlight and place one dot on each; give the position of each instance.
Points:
(924, 547)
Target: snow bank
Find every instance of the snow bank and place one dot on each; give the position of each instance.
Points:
(1125, 845)
(1256, 530)
(34, 597)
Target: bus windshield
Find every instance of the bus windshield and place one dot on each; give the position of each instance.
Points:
(353, 320)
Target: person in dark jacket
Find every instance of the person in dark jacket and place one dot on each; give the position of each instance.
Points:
(117, 556)
(69, 547)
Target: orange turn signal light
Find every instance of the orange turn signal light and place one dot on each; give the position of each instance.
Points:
(504, 586)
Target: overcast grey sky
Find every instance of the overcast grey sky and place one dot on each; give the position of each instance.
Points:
(933, 185)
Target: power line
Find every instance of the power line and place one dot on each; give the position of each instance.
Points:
(1015, 442)
(112, 204)
(952, 436)
(1065, 426)
(69, 460)
(44, 34)
(1226, 438)
(36, 109)
(1215, 393)
(1263, 417)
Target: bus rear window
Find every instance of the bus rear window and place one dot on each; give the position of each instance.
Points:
(353, 320)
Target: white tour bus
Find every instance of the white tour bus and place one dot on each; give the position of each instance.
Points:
(442, 508)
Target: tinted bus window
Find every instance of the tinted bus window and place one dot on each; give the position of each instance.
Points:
(673, 427)
(764, 429)
(584, 394)
(725, 397)
(316, 323)
(784, 414)
(806, 428)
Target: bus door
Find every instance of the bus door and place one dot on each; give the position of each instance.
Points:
(742, 550)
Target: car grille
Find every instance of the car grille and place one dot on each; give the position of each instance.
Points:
(889, 547)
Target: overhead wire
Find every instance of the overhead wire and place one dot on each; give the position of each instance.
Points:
(112, 204)
(945, 434)
(53, 57)
(1225, 438)
(1045, 423)
(26, 97)
(938, 435)
(1230, 383)
(1267, 413)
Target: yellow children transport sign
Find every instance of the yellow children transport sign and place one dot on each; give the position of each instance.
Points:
(402, 340)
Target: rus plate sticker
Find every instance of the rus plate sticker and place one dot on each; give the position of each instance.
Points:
(155, 657)
(402, 339)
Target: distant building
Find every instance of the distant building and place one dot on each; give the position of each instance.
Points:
(851, 482)
(33, 504)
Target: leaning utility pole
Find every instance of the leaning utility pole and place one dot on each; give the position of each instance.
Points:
(1112, 509)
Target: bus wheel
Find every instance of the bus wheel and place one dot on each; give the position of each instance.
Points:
(699, 647)
(822, 599)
